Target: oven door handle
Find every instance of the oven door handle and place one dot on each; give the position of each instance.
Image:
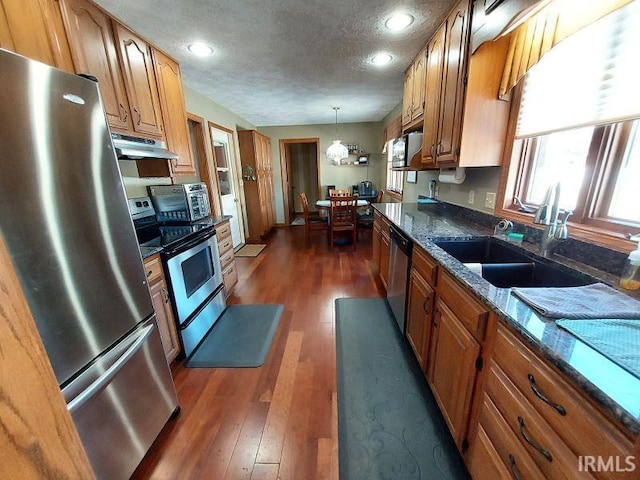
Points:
(190, 244)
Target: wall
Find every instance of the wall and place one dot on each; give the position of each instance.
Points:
(367, 135)
(481, 180)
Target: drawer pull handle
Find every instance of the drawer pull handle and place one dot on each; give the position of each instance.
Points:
(537, 447)
(512, 466)
(166, 295)
(149, 273)
(559, 408)
(425, 305)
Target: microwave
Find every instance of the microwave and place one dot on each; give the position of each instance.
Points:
(404, 148)
(180, 203)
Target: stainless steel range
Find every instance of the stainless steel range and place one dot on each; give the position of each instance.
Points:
(191, 260)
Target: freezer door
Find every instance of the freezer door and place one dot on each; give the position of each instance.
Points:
(120, 404)
(64, 216)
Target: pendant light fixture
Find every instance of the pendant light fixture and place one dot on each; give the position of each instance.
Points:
(337, 151)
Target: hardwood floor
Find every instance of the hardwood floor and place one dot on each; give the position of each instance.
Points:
(278, 421)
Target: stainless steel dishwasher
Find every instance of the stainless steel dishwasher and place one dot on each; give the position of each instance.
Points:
(399, 263)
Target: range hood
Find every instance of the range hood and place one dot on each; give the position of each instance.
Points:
(139, 148)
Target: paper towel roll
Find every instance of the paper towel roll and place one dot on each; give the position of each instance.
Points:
(452, 175)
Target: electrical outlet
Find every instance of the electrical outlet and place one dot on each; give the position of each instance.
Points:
(490, 200)
(472, 197)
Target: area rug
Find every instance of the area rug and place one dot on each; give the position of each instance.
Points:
(297, 221)
(389, 425)
(240, 338)
(250, 250)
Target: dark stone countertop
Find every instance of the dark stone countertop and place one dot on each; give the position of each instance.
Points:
(608, 384)
(147, 252)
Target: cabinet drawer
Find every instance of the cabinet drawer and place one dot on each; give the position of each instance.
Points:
(426, 265)
(513, 457)
(230, 277)
(467, 308)
(224, 246)
(552, 456)
(226, 258)
(484, 462)
(153, 268)
(586, 430)
(223, 231)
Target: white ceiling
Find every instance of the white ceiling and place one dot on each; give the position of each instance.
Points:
(288, 62)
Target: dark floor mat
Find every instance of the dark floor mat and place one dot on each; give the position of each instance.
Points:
(240, 338)
(389, 425)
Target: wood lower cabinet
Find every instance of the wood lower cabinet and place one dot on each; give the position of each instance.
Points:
(162, 306)
(174, 114)
(94, 52)
(34, 28)
(419, 316)
(452, 369)
(140, 80)
(255, 155)
(227, 258)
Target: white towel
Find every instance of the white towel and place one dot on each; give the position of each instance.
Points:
(474, 267)
(589, 302)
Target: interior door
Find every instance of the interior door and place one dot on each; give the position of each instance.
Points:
(230, 199)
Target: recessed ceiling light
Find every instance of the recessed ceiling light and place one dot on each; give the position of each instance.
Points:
(200, 49)
(381, 59)
(399, 21)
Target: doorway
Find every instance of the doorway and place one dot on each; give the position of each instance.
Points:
(225, 162)
(299, 162)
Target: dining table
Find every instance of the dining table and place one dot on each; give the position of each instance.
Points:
(327, 203)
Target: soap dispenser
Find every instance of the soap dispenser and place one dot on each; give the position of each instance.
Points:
(630, 279)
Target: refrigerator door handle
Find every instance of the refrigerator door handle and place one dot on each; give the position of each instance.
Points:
(111, 372)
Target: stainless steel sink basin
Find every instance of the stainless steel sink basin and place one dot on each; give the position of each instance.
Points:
(505, 266)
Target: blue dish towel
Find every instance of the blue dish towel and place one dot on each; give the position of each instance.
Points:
(618, 340)
(591, 301)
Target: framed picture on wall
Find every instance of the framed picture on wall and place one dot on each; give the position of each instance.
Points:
(412, 177)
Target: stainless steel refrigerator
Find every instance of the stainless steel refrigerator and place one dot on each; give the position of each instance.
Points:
(64, 218)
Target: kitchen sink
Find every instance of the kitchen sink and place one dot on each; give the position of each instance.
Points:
(507, 266)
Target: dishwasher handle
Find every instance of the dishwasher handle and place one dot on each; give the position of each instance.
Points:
(404, 243)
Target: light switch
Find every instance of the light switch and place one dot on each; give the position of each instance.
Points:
(490, 200)
(472, 197)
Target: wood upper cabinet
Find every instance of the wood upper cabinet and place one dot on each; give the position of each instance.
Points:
(407, 96)
(93, 48)
(419, 316)
(174, 114)
(413, 95)
(142, 90)
(435, 54)
(34, 28)
(453, 80)
(418, 93)
(452, 369)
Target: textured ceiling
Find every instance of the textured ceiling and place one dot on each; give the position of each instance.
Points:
(288, 62)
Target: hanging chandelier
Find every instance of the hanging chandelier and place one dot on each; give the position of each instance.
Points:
(336, 150)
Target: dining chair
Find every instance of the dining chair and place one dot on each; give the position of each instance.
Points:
(379, 196)
(342, 217)
(338, 193)
(314, 224)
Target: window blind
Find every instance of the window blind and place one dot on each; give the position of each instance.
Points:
(591, 78)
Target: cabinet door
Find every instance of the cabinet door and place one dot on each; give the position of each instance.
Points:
(407, 97)
(174, 115)
(94, 53)
(419, 317)
(376, 245)
(142, 90)
(165, 320)
(419, 72)
(452, 370)
(385, 254)
(34, 28)
(435, 54)
(452, 95)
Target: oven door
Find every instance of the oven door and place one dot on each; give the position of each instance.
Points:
(194, 273)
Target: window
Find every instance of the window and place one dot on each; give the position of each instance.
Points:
(578, 127)
(395, 178)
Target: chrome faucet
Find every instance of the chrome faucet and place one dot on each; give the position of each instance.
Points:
(548, 214)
